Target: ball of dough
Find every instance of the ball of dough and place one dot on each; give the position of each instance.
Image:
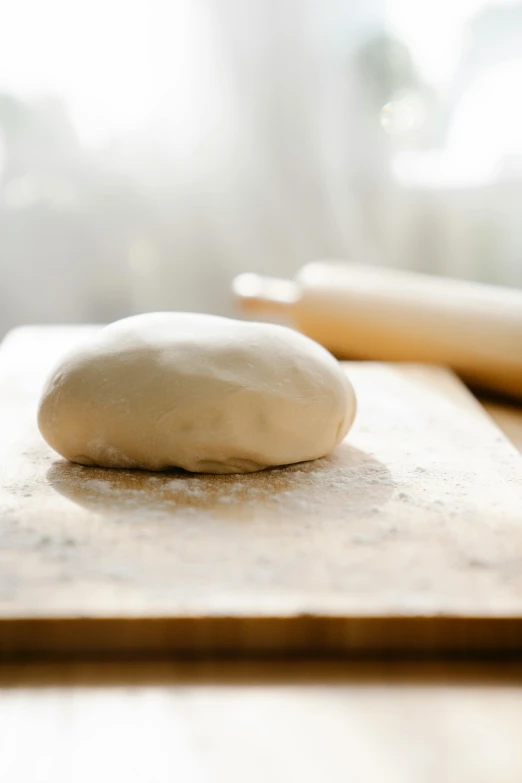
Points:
(200, 392)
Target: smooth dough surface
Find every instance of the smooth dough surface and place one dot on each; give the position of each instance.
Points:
(204, 393)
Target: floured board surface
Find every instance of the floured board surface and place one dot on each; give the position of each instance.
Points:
(408, 537)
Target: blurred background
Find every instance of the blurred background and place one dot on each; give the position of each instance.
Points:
(150, 150)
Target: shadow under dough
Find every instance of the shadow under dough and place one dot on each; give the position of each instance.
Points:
(346, 483)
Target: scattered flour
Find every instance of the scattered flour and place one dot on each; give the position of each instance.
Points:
(352, 487)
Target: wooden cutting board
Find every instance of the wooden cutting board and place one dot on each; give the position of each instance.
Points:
(408, 537)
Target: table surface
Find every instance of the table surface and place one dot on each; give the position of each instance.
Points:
(252, 722)
(388, 722)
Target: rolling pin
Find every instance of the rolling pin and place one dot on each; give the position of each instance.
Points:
(366, 312)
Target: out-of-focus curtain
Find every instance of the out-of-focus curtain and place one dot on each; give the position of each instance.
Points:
(151, 150)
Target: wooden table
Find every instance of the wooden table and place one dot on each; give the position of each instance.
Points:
(391, 722)
(239, 722)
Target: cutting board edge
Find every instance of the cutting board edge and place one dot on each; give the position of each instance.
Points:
(259, 636)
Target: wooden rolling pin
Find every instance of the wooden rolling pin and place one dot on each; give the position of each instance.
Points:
(364, 312)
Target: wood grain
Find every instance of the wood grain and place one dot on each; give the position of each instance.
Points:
(408, 537)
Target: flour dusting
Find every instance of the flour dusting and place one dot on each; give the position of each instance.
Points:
(350, 479)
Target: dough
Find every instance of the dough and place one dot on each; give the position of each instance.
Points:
(199, 392)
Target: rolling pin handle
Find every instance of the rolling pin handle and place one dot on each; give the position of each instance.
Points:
(258, 294)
